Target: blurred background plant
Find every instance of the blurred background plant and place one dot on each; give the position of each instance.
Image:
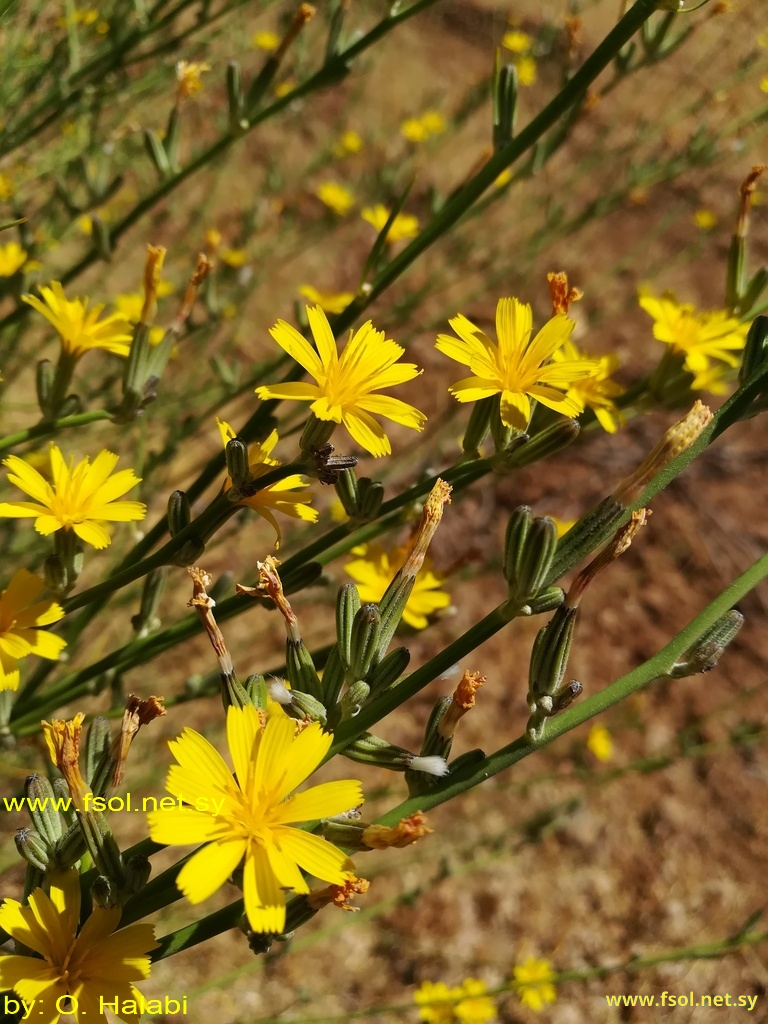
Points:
(341, 159)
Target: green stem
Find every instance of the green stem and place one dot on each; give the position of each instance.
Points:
(51, 428)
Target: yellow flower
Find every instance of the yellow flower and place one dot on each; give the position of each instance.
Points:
(515, 366)
(698, 336)
(374, 569)
(474, 1007)
(330, 302)
(20, 622)
(704, 220)
(189, 76)
(599, 743)
(336, 197)
(435, 1001)
(265, 40)
(79, 328)
(503, 179)
(534, 983)
(283, 88)
(344, 384)
(97, 964)
(516, 41)
(416, 129)
(234, 258)
(80, 498)
(12, 259)
(405, 225)
(764, 84)
(252, 813)
(349, 142)
(526, 70)
(280, 497)
(63, 741)
(712, 379)
(129, 305)
(6, 187)
(596, 391)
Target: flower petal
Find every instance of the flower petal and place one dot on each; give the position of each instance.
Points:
(321, 801)
(243, 732)
(182, 826)
(297, 347)
(264, 899)
(209, 868)
(367, 432)
(515, 410)
(316, 856)
(306, 754)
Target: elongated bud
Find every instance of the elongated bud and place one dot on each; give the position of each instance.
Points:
(547, 442)
(236, 454)
(705, 652)
(529, 549)
(354, 699)
(755, 349)
(389, 670)
(549, 658)
(334, 676)
(137, 872)
(33, 848)
(347, 606)
(61, 792)
(235, 97)
(478, 426)
(105, 893)
(156, 153)
(371, 498)
(306, 708)
(41, 805)
(364, 640)
(370, 749)
(46, 374)
(256, 688)
(348, 492)
(146, 619)
(179, 512)
(546, 601)
(504, 102)
(97, 743)
(102, 846)
(300, 668)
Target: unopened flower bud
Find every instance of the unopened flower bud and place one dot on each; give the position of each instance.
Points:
(389, 670)
(549, 441)
(236, 455)
(179, 512)
(551, 649)
(364, 641)
(347, 606)
(316, 433)
(705, 652)
(137, 872)
(305, 707)
(354, 699)
(33, 848)
(370, 749)
(41, 805)
(529, 550)
(105, 893)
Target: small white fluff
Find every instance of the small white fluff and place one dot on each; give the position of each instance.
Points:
(432, 765)
(278, 691)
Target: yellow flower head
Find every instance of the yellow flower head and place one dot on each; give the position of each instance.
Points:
(343, 392)
(416, 129)
(251, 814)
(336, 197)
(599, 743)
(98, 963)
(350, 142)
(699, 337)
(189, 76)
(534, 983)
(526, 69)
(330, 302)
(79, 328)
(20, 622)
(517, 41)
(596, 391)
(80, 497)
(474, 1006)
(12, 259)
(374, 569)
(405, 225)
(704, 220)
(436, 1002)
(280, 497)
(234, 258)
(265, 40)
(514, 367)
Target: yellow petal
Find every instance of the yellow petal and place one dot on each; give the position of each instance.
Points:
(264, 900)
(182, 826)
(515, 410)
(321, 801)
(209, 868)
(367, 432)
(315, 855)
(243, 729)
